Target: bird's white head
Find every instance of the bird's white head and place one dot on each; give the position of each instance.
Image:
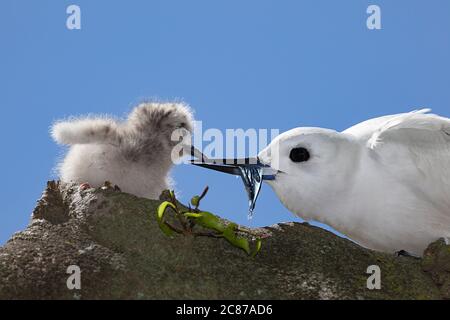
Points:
(310, 169)
(313, 168)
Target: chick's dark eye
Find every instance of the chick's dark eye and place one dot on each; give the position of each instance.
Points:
(299, 155)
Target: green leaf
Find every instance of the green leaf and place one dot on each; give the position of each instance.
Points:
(195, 201)
(257, 247)
(166, 229)
(162, 209)
(160, 215)
(237, 241)
(207, 220)
(192, 215)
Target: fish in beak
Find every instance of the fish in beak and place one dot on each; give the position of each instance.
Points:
(251, 171)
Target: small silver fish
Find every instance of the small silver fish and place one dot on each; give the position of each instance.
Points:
(251, 171)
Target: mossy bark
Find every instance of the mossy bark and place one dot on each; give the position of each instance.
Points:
(115, 240)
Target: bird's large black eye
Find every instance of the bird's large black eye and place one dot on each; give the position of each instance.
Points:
(299, 154)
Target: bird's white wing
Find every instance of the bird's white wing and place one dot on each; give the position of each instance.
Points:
(415, 149)
(365, 129)
(418, 119)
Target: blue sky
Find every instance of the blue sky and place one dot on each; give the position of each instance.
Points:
(239, 64)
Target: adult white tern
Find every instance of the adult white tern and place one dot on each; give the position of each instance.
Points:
(385, 182)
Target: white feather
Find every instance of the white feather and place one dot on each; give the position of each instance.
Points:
(385, 182)
(134, 154)
(87, 130)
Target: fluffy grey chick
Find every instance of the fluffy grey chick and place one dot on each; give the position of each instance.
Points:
(134, 154)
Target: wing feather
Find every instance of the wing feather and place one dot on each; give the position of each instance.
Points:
(415, 149)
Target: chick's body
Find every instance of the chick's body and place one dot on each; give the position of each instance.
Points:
(135, 154)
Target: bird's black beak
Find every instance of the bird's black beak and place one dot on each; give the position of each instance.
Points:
(251, 170)
(235, 166)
